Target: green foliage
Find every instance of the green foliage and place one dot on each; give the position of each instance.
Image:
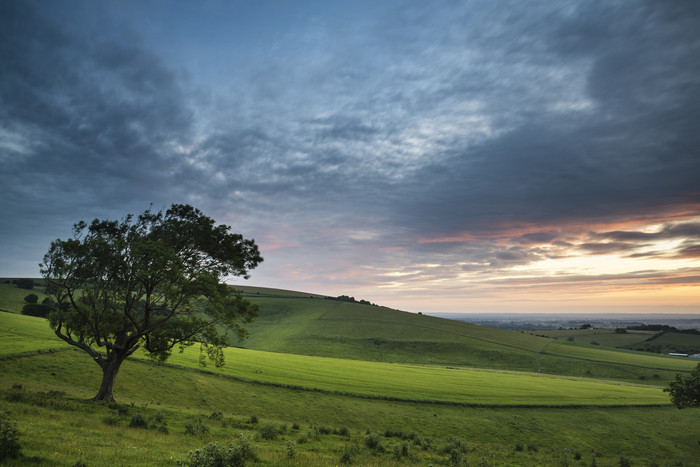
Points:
(39, 310)
(138, 421)
(196, 428)
(214, 455)
(685, 391)
(373, 441)
(31, 298)
(348, 455)
(268, 431)
(112, 418)
(151, 282)
(9, 440)
(290, 449)
(27, 284)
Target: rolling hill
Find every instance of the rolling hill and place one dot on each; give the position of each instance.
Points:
(307, 324)
(426, 390)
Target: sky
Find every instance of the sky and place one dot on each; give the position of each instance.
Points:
(441, 157)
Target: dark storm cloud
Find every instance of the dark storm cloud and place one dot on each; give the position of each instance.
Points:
(95, 118)
(631, 147)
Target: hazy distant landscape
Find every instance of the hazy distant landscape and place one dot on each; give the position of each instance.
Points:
(533, 321)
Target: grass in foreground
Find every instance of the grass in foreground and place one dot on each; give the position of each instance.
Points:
(61, 428)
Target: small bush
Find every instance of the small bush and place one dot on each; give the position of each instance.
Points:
(372, 441)
(348, 455)
(625, 462)
(121, 409)
(138, 421)
(27, 284)
(343, 431)
(268, 432)
(532, 447)
(36, 309)
(214, 455)
(196, 428)
(290, 449)
(295, 426)
(9, 440)
(158, 422)
(402, 451)
(31, 298)
(112, 418)
(253, 420)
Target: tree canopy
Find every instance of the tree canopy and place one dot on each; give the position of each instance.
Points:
(154, 282)
(685, 392)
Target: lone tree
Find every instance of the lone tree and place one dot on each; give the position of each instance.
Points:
(685, 392)
(152, 281)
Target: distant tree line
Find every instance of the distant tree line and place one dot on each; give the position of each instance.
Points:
(27, 284)
(345, 298)
(662, 328)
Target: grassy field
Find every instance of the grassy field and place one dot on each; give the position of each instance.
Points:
(60, 428)
(374, 379)
(648, 341)
(297, 409)
(12, 297)
(604, 337)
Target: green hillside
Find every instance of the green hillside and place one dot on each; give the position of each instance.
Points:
(314, 325)
(296, 409)
(324, 409)
(307, 324)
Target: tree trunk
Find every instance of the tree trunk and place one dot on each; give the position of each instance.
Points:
(109, 375)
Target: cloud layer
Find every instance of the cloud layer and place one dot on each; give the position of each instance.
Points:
(383, 149)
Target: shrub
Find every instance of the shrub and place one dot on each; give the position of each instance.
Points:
(31, 298)
(36, 309)
(625, 462)
(402, 450)
(685, 391)
(253, 419)
(291, 449)
(112, 418)
(9, 440)
(158, 422)
(196, 428)
(138, 421)
(120, 409)
(347, 457)
(27, 284)
(268, 432)
(372, 441)
(214, 455)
